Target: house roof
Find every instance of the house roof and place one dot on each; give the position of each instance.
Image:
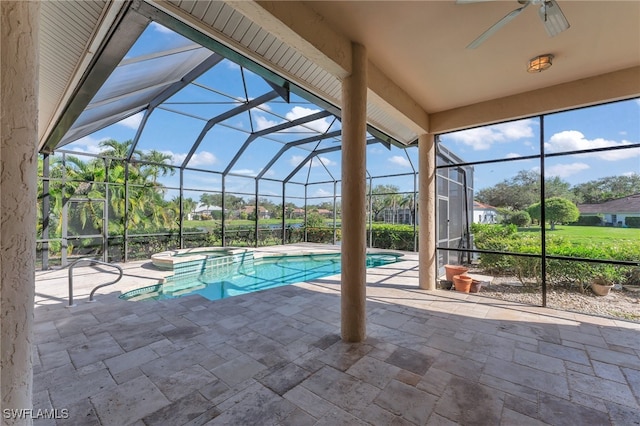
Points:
(480, 206)
(630, 204)
(204, 208)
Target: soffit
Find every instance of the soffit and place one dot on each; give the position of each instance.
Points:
(420, 48)
(421, 45)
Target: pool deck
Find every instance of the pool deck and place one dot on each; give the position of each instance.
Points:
(275, 356)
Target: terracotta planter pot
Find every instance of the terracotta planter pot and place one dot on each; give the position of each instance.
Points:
(451, 270)
(601, 287)
(475, 286)
(462, 283)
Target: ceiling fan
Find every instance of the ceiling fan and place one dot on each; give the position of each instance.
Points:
(552, 18)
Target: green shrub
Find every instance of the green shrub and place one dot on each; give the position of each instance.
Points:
(565, 273)
(589, 220)
(632, 222)
(394, 237)
(321, 235)
(518, 218)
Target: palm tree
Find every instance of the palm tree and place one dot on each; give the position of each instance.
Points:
(392, 200)
(408, 201)
(161, 164)
(117, 149)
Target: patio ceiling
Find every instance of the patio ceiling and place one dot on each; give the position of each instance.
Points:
(421, 76)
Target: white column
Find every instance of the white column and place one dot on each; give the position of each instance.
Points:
(18, 162)
(427, 212)
(354, 244)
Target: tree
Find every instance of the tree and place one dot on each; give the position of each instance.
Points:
(209, 200)
(289, 208)
(314, 220)
(409, 202)
(161, 165)
(557, 210)
(516, 193)
(522, 190)
(380, 198)
(607, 188)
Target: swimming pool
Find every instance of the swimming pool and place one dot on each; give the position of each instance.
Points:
(253, 275)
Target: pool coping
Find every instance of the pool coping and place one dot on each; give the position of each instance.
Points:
(167, 260)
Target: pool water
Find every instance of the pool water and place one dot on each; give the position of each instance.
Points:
(254, 275)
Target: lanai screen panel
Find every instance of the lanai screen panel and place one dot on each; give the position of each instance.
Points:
(131, 87)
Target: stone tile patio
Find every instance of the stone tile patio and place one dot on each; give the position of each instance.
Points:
(276, 357)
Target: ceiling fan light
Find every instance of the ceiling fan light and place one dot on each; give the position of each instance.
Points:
(539, 63)
(553, 19)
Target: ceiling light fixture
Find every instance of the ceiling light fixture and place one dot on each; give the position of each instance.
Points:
(540, 63)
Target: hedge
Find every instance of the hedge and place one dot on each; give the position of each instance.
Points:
(559, 272)
(589, 221)
(632, 221)
(394, 237)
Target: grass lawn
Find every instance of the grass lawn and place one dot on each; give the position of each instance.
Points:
(211, 224)
(585, 235)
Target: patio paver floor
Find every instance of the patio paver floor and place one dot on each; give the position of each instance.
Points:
(276, 357)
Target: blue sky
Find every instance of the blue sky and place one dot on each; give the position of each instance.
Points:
(615, 124)
(174, 133)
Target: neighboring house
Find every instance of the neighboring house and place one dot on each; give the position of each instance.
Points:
(202, 210)
(399, 215)
(615, 211)
(484, 213)
(262, 212)
(325, 213)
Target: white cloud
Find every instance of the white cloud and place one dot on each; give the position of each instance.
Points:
(198, 159)
(264, 107)
(160, 28)
(565, 170)
(629, 174)
(322, 160)
(296, 112)
(263, 122)
(244, 172)
(573, 140)
(87, 145)
(133, 121)
(322, 193)
(482, 138)
(638, 101)
(512, 155)
(400, 161)
(295, 160)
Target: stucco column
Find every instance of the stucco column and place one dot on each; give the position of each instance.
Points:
(427, 212)
(18, 162)
(354, 244)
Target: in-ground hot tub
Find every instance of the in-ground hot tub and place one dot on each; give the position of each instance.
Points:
(176, 260)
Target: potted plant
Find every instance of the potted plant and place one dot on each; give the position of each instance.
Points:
(601, 285)
(462, 283)
(451, 270)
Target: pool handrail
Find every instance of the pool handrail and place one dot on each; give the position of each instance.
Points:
(92, 261)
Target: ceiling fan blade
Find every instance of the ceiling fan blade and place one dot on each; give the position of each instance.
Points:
(552, 17)
(501, 23)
